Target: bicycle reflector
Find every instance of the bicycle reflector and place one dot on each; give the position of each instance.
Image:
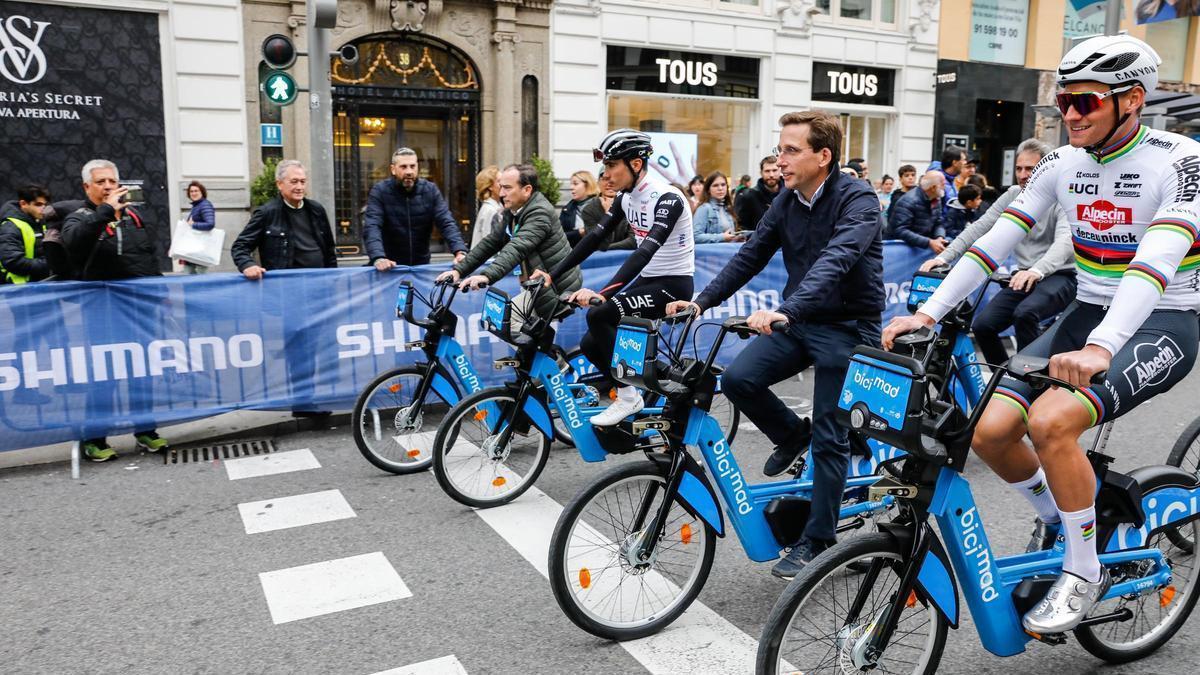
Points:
(882, 398)
(497, 313)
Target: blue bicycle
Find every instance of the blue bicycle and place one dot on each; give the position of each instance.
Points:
(631, 552)
(894, 618)
(397, 414)
(492, 446)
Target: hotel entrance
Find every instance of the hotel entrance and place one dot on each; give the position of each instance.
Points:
(406, 90)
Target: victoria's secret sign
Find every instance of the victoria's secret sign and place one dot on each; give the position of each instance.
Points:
(852, 84)
(676, 72)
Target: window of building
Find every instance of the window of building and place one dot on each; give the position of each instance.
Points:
(702, 135)
(1170, 40)
(875, 12)
(529, 117)
(865, 136)
(720, 5)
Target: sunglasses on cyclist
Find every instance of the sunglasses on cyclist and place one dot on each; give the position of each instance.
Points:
(1086, 102)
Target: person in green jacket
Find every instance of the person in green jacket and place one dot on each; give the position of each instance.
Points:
(528, 236)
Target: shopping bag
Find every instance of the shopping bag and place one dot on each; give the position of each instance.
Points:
(199, 247)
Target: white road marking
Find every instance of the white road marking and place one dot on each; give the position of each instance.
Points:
(331, 586)
(271, 464)
(700, 641)
(284, 512)
(421, 441)
(447, 665)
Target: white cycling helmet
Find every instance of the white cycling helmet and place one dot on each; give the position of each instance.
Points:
(1114, 60)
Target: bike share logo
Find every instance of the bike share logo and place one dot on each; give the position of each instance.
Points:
(867, 382)
(1152, 363)
(1162, 508)
(21, 58)
(565, 401)
(465, 373)
(975, 546)
(1103, 214)
(630, 353)
(493, 311)
(729, 471)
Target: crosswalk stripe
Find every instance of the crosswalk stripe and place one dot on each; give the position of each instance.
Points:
(699, 641)
(281, 513)
(447, 665)
(331, 586)
(269, 465)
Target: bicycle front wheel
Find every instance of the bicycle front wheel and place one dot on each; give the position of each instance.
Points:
(471, 464)
(595, 573)
(809, 630)
(1186, 455)
(390, 429)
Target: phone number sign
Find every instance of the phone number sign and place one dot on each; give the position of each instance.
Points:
(998, 31)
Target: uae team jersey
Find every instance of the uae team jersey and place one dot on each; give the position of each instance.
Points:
(1134, 212)
(652, 201)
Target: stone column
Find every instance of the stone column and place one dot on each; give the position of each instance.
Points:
(505, 134)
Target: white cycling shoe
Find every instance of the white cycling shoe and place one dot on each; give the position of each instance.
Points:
(1066, 604)
(617, 411)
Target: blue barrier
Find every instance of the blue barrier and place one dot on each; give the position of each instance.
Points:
(79, 360)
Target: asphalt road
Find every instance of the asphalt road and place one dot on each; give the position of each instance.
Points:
(146, 568)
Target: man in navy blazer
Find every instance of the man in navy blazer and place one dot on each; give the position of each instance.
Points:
(827, 225)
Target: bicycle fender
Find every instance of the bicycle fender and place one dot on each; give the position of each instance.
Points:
(536, 411)
(935, 582)
(442, 385)
(696, 494)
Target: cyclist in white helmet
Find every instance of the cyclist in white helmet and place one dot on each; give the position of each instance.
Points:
(1130, 194)
(659, 271)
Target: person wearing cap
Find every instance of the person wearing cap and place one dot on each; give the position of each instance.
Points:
(1130, 195)
(656, 273)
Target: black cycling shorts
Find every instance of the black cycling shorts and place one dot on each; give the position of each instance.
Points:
(1156, 358)
(646, 297)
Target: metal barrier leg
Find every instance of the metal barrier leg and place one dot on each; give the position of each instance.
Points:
(76, 448)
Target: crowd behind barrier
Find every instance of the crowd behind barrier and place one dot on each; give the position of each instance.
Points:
(90, 359)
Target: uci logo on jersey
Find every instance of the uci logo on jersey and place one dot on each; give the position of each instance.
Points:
(1083, 189)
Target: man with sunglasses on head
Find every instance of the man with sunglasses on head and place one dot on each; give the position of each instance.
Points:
(826, 225)
(1130, 194)
(656, 273)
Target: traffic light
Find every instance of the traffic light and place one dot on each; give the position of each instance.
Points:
(278, 51)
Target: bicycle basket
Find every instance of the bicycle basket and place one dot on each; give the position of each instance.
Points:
(883, 397)
(634, 352)
(922, 286)
(497, 313)
(404, 300)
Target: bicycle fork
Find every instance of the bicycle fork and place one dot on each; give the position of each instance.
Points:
(640, 549)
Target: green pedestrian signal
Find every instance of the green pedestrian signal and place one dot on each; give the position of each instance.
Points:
(280, 88)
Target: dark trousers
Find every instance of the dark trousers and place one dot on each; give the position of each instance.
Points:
(771, 359)
(1025, 312)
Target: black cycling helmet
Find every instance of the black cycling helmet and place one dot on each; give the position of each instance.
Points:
(623, 144)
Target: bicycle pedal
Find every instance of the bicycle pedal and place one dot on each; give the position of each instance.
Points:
(1052, 639)
(650, 424)
(798, 467)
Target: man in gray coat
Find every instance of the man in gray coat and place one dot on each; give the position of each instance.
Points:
(1044, 284)
(528, 236)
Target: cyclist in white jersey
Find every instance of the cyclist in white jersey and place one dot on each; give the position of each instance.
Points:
(1130, 194)
(657, 272)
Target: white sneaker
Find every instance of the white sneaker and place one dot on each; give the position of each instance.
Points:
(619, 410)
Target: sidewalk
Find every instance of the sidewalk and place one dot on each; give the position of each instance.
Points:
(239, 424)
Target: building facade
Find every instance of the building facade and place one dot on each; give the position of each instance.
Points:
(462, 82)
(709, 79)
(996, 65)
(153, 85)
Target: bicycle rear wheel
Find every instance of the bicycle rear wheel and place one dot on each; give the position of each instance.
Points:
(1186, 455)
(807, 630)
(387, 427)
(1157, 615)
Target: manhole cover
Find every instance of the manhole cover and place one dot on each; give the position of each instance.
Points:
(208, 453)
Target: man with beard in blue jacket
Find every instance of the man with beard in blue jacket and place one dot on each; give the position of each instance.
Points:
(827, 225)
(401, 213)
